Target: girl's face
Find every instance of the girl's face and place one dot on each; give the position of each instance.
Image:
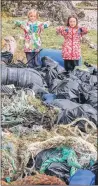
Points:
(32, 17)
(72, 22)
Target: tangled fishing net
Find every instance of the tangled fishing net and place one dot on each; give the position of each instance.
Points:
(23, 108)
(19, 111)
(30, 146)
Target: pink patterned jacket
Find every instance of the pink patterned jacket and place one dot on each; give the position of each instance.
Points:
(71, 49)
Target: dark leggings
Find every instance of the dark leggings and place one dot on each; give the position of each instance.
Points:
(32, 59)
(69, 65)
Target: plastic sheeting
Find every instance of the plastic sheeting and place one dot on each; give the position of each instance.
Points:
(94, 169)
(61, 162)
(6, 57)
(82, 177)
(75, 93)
(8, 89)
(21, 77)
(73, 111)
(55, 55)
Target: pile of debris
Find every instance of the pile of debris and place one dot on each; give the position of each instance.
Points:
(49, 124)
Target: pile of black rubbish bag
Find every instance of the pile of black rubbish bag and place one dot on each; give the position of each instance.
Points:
(73, 93)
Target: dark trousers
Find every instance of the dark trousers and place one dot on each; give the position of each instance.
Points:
(32, 59)
(69, 65)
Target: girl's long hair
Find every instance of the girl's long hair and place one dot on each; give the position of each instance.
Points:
(72, 16)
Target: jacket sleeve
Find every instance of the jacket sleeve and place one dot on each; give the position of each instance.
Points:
(61, 30)
(19, 23)
(22, 25)
(42, 26)
(84, 30)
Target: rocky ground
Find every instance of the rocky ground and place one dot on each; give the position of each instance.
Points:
(56, 12)
(90, 19)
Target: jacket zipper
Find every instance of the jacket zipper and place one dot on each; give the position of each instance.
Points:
(72, 44)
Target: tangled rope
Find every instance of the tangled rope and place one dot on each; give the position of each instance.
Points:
(68, 135)
(89, 127)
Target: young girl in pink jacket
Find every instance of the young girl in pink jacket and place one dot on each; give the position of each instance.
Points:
(71, 49)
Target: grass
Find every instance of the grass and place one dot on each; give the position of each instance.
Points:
(83, 4)
(89, 55)
(93, 36)
(49, 40)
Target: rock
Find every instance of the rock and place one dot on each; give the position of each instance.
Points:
(90, 19)
(56, 11)
(87, 40)
(92, 46)
(81, 14)
(10, 44)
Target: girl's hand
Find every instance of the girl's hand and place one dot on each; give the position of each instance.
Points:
(66, 29)
(21, 26)
(48, 23)
(25, 28)
(83, 30)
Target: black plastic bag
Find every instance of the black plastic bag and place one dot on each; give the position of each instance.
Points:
(52, 71)
(78, 111)
(92, 68)
(6, 57)
(65, 104)
(61, 170)
(67, 89)
(21, 77)
(93, 80)
(51, 74)
(18, 64)
(84, 89)
(38, 90)
(84, 76)
(93, 99)
(48, 62)
(94, 169)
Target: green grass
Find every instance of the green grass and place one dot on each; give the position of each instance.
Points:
(49, 40)
(83, 4)
(88, 54)
(93, 36)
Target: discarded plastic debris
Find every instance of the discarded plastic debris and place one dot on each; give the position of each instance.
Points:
(21, 77)
(8, 89)
(94, 169)
(75, 97)
(82, 177)
(58, 155)
(6, 57)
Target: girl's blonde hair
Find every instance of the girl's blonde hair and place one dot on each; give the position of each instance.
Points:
(33, 11)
